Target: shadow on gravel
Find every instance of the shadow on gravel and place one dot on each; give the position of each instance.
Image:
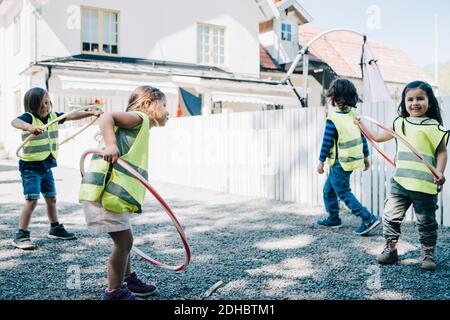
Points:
(260, 249)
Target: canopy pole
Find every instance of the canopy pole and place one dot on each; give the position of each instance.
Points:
(305, 78)
(306, 47)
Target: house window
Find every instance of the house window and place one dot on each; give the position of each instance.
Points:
(18, 102)
(286, 32)
(210, 45)
(16, 31)
(100, 31)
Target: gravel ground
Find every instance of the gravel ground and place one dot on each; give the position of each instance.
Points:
(258, 248)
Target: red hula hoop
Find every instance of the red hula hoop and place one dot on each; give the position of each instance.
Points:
(147, 185)
(400, 137)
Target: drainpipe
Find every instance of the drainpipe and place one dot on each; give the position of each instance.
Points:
(47, 78)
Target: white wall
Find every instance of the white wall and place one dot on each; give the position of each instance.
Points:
(163, 30)
(12, 63)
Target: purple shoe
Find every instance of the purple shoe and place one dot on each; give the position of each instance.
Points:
(119, 294)
(138, 287)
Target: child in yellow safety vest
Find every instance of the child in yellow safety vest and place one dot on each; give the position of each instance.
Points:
(420, 122)
(38, 159)
(344, 150)
(110, 195)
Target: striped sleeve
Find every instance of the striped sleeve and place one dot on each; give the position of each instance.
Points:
(330, 135)
(365, 146)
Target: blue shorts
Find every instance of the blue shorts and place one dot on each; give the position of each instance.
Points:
(36, 182)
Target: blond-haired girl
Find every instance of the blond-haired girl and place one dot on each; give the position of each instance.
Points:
(109, 194)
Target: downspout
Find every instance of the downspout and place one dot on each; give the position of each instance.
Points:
(47, 78)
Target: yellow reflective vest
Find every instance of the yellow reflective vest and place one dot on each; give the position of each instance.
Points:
(44, 144)
(111, 185)
(411, 173)
(349, 143)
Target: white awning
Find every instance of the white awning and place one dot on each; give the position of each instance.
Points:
(113, 84)
(254, 98)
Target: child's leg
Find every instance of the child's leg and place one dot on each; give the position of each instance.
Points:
(395, 209)
(119, 262)
(341, 185)
(25, 216)
(51, 209)
(425, 207)
(31, 184)
(49, 192)
(330, 199)
(128, 270)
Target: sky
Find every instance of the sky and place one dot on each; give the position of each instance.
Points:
(402, 24)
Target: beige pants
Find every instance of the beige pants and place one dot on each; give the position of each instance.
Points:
(99, 220)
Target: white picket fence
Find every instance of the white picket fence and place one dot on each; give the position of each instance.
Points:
(269, 154)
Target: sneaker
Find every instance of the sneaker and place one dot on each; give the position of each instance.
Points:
(389, 254)
(428, 258)
(332, 223)
(367, 226)
(23, 241)
(119, 294)
(59, 232)
(138, 287)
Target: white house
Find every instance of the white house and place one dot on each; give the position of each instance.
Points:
(202, 54)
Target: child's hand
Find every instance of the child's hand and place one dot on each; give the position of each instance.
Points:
(366, 164)
(111, 154)
(35, 130)
(441, 180)
(320, 168)
(357, 120)
(96, 112)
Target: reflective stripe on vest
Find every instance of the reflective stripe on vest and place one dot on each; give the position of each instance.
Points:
(44, 144)
(411, 173)
(349, 144)
(122, 192)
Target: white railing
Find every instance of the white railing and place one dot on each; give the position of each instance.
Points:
(270, 154)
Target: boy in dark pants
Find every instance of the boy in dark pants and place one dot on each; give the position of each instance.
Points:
(344, 149)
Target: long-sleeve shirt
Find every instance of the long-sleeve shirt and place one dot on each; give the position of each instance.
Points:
(330, 136)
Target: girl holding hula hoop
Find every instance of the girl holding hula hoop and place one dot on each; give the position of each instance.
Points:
(413, 183)
(109, 194)
(37, 160)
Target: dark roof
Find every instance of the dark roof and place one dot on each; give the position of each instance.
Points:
(127, 65)
(140, 61)
(266, 61)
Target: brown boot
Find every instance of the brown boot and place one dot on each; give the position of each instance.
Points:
(428, 258)
(389, 254)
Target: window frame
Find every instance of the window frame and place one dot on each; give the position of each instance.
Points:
(211, 53)
(286, 35)
(100, 29)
